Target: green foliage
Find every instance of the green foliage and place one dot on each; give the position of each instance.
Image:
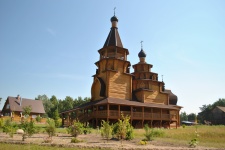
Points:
(150, 133)
(183, 116)
(10, 127)
(87, 130)
(75, 140)
(123, 129)
(194, 142)
(38, 118)
(106, 129)
(2, 123)
(50, 128)
(206, 110)
(183, 125)
(28, 128)
(130, 132)
(75, 129)
(192, 117)
(27, 110)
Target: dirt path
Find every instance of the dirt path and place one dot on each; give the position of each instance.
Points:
(94, 141)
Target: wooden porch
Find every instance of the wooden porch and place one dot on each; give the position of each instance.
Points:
(155, 117)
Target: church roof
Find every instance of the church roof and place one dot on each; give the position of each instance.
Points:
(121, 102)
(142, 53)
(113, 38)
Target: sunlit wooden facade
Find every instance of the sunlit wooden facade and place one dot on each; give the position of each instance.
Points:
(116, 91)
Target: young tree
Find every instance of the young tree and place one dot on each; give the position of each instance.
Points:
(50, 128)
(9, 127)
(46, 103)
(76, 129)
(27, 110)
(28, 128)
(106, 129)
(123, 128)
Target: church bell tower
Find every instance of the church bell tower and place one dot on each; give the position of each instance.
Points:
(112, 78)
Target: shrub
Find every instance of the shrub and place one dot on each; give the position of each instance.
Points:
(151, 132)
(148, 133)
(106, 129)
(50, 128)
(38, 118)
(10, 127)
(76, 129)
(87, 130)
(28, 128)
(75, 140)
(123, 129)
(130, 132)
(2, 122)
(143, 142)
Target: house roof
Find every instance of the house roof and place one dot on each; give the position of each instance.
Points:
(36, 105)
(221, 108)
(117, 101)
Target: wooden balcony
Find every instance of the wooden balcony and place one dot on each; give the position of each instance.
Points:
(114, 114)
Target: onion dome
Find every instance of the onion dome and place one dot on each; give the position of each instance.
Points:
(142, 53)
(114, 18)
(172, 97)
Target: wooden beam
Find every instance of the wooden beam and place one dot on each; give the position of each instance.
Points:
(107, 112)
(118, 111)
(143, 116)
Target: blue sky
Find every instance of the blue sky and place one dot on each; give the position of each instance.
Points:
(50, 47)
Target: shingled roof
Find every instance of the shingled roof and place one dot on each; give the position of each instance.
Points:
(122, 102)
(221, 108)
(18, 105)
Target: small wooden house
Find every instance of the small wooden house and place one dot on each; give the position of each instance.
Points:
(218, 114)
(13, 108)
(116, 91)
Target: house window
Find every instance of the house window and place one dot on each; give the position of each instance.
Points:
(34, 116)
(7, 106)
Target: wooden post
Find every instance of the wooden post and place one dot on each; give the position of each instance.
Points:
(160, 117)
(131, 113)
(119, 112)
(107, 112)
(142, 117)
(96, 116)
(63, 115)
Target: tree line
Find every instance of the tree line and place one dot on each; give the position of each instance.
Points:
(205, 113)
(54, 106)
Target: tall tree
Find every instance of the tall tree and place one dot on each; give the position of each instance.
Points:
(46, 103)
(54, 107)
(183, 116)
(68, 103)
(192, 117)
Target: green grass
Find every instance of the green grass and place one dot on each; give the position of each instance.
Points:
(37, 147)
(209, 136)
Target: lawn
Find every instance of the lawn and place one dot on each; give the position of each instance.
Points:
(36, 147)
(209, 136)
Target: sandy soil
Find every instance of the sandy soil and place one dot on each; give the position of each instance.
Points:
(93, 141)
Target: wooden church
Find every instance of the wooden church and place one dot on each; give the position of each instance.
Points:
(116, 91)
